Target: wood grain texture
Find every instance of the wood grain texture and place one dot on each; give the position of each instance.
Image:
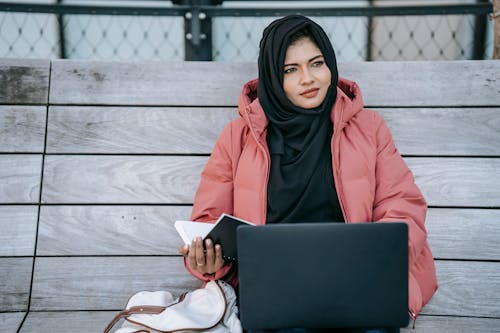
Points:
(110, 230)
(64, 322)
(24, 81)
(95, 321)
(15, 279)
(11, 321)
(121, 179)
(20, 178)
(463, 182)
(466, 182)
(22, 129)
(135, 130)
(148, 83)
(18, 230)
(158, 83)
(471, 234)
(104, 283)
(443, 324)
(466, 288)
(441, 132)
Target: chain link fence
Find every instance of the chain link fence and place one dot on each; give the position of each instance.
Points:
(135, 35)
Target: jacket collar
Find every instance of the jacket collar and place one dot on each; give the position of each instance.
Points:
(349, 102)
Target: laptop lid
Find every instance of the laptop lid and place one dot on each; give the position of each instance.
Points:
(323, 275)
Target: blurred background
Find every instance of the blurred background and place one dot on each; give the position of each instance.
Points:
(224, 30)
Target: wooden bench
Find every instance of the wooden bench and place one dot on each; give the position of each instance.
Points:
(98, 159)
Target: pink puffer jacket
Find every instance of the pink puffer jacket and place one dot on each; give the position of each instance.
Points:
(372, 180)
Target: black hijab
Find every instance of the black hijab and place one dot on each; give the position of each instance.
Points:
(300, 186)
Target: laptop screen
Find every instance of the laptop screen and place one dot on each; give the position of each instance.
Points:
(323, 275)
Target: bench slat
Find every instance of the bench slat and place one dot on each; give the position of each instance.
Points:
(24, 81)
(70, 321)
(104, 283)
(469, 234)
(20, 178)
(121, 179)
(18, 226)
(140, 230)
(110, 230)
(95, 321)
(22, 129)
(444, 324)
(462, 182)
(15, 277)
(158, 83)
(177, 130)
(135, 130)
(11, 321)
(173, 179)
(466, 289)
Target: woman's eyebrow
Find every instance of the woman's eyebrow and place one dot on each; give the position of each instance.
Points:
(312, 59)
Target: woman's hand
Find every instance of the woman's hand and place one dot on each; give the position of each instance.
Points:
(205, 259)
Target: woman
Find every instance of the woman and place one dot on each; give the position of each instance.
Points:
(304, 150)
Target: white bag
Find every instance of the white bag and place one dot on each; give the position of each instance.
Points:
(210, 309)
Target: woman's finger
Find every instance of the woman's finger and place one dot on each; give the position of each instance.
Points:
(200, 255)
(219, 261)
(209, 257)
(192, 255)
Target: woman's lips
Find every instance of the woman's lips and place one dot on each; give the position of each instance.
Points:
(310, 93)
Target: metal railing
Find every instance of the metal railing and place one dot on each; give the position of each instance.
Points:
(226, 31)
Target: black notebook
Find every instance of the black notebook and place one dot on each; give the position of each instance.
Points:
(222, 232)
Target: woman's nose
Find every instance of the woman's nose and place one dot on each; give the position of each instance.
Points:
(306, 77)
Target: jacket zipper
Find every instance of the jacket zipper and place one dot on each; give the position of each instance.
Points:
(267, 157)
(335, 169)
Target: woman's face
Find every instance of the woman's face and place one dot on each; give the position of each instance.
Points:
(306, 75)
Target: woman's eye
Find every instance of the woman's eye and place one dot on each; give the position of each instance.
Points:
(318, 63)
(290, 70)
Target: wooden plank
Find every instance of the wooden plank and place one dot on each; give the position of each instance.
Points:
(147, 83)
(441, 132)
(15, 279)
(121, 179)
(142, 230)
(466, 288)
(464, 182)
(64, 322)
(24, 81)
(467, 182)
(420, 83)
(20, 178)
(110, 230)
(11, 321)
(135, 129)
(18, 225)
(104, 283)
(95, 321)
(464, 233)
(22, 129)
(444, 324)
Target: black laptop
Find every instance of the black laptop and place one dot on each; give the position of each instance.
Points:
(323, 275)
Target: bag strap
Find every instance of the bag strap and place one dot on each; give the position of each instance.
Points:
(134, 310)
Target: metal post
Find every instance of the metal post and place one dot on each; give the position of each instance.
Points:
(369, 35)
(479, 35)
(197, 30)
(62, 44)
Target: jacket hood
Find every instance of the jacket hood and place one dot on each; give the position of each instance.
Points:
(349, 102)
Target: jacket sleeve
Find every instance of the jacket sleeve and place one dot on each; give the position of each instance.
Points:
(397, 197)
(215, 192)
